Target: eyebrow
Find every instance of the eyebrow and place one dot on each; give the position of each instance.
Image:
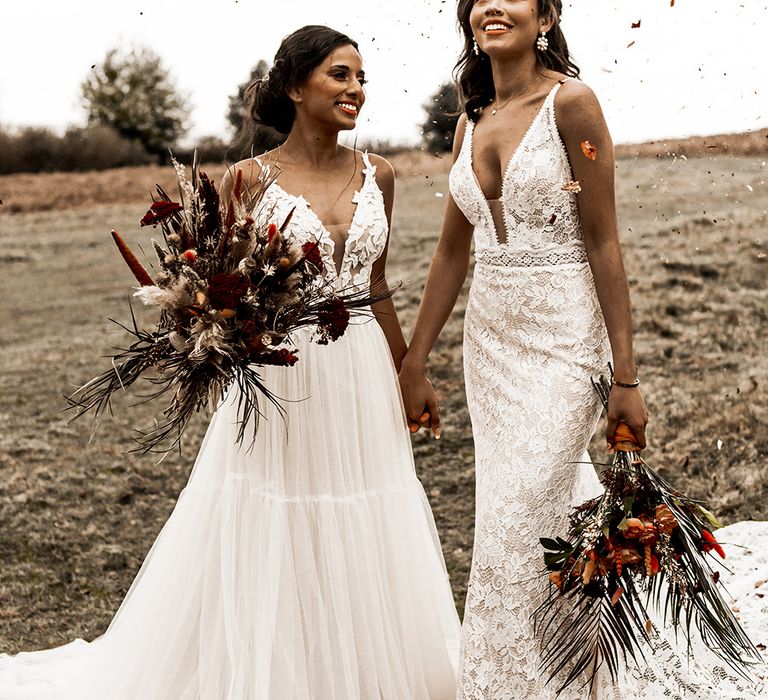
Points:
(341, 65)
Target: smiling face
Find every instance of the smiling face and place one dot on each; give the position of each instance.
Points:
(333, 94)
(506, 26)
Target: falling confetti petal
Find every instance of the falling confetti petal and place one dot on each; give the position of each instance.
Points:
(630, 44)
(636, 25)
(589, 150)
(572, 186)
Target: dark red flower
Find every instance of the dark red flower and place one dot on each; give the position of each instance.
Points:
(312, 254)
(281, 357)
(159, 211)
(333, 320)
(248, 328)
(209, 205)
(225, 291)
(271, 232)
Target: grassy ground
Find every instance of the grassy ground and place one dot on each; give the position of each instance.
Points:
(78, 518)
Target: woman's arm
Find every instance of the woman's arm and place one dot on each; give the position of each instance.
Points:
(446, 276)
(579, 119)
(384, 311)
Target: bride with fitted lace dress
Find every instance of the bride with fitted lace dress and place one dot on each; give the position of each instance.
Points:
(304, 567)
(534, 336)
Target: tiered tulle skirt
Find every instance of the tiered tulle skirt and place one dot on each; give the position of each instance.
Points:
(303, 566)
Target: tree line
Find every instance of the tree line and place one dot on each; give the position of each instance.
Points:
(136, 115)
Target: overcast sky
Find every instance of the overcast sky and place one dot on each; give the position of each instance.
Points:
(695, 68)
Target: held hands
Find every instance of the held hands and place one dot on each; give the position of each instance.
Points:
(420, 401)
(626, 406)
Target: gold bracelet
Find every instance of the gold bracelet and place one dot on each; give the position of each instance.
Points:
(624, 385)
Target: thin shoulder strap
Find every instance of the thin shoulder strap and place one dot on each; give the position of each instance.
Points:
(466, 139)
(550, 101)
(370, 168)
(369, 172)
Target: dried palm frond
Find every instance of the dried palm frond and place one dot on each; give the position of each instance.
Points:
(642, 545)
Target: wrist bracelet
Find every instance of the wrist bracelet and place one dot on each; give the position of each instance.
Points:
(624, 385)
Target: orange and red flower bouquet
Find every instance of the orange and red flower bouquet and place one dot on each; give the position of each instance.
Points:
(230, 292)
(640, 543)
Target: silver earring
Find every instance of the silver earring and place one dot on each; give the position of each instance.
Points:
(475, 47)
(542, 43)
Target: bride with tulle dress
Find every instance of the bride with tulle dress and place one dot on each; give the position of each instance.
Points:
(305, 566)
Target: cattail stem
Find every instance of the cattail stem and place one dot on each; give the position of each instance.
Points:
(141, 275)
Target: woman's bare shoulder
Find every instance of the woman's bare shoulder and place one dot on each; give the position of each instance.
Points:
(385, 173)
(575, 100)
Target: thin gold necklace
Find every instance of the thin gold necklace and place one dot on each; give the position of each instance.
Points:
(338, 196)
(519, 94)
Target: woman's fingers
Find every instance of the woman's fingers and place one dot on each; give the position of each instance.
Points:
(638, 428)
(610, 430)
(433, 408)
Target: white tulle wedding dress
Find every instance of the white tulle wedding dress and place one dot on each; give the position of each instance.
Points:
(534, 336)
(305, 567)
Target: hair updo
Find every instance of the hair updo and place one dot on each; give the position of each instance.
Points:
(473, 71)
(299, 54)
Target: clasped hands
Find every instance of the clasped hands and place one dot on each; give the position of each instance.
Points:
(422, 407)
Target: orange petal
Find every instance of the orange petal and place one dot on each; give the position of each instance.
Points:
(589, 150)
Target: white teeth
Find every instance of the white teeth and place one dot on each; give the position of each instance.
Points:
(347, 105)
(494, 27)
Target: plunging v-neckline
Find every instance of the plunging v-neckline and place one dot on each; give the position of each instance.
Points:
(324, 229)
(513, 157)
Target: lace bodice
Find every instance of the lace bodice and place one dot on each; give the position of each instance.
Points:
(366, 239)
(541, 218)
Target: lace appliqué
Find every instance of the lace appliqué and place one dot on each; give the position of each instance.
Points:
(367, 235)
(366, 239)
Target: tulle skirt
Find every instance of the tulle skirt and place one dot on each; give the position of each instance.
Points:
(303, 565)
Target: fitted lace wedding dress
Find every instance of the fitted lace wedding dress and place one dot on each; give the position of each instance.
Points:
(534, 336)
(305, 567)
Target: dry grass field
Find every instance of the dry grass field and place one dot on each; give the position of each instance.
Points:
(77, 517)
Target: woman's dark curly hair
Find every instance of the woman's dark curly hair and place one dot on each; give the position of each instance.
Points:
(473, 72)
(267, 101)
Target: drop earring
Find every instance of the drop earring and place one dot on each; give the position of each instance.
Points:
(542, 43)
(475, 47)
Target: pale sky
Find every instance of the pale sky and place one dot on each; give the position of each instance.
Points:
(695, 68)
